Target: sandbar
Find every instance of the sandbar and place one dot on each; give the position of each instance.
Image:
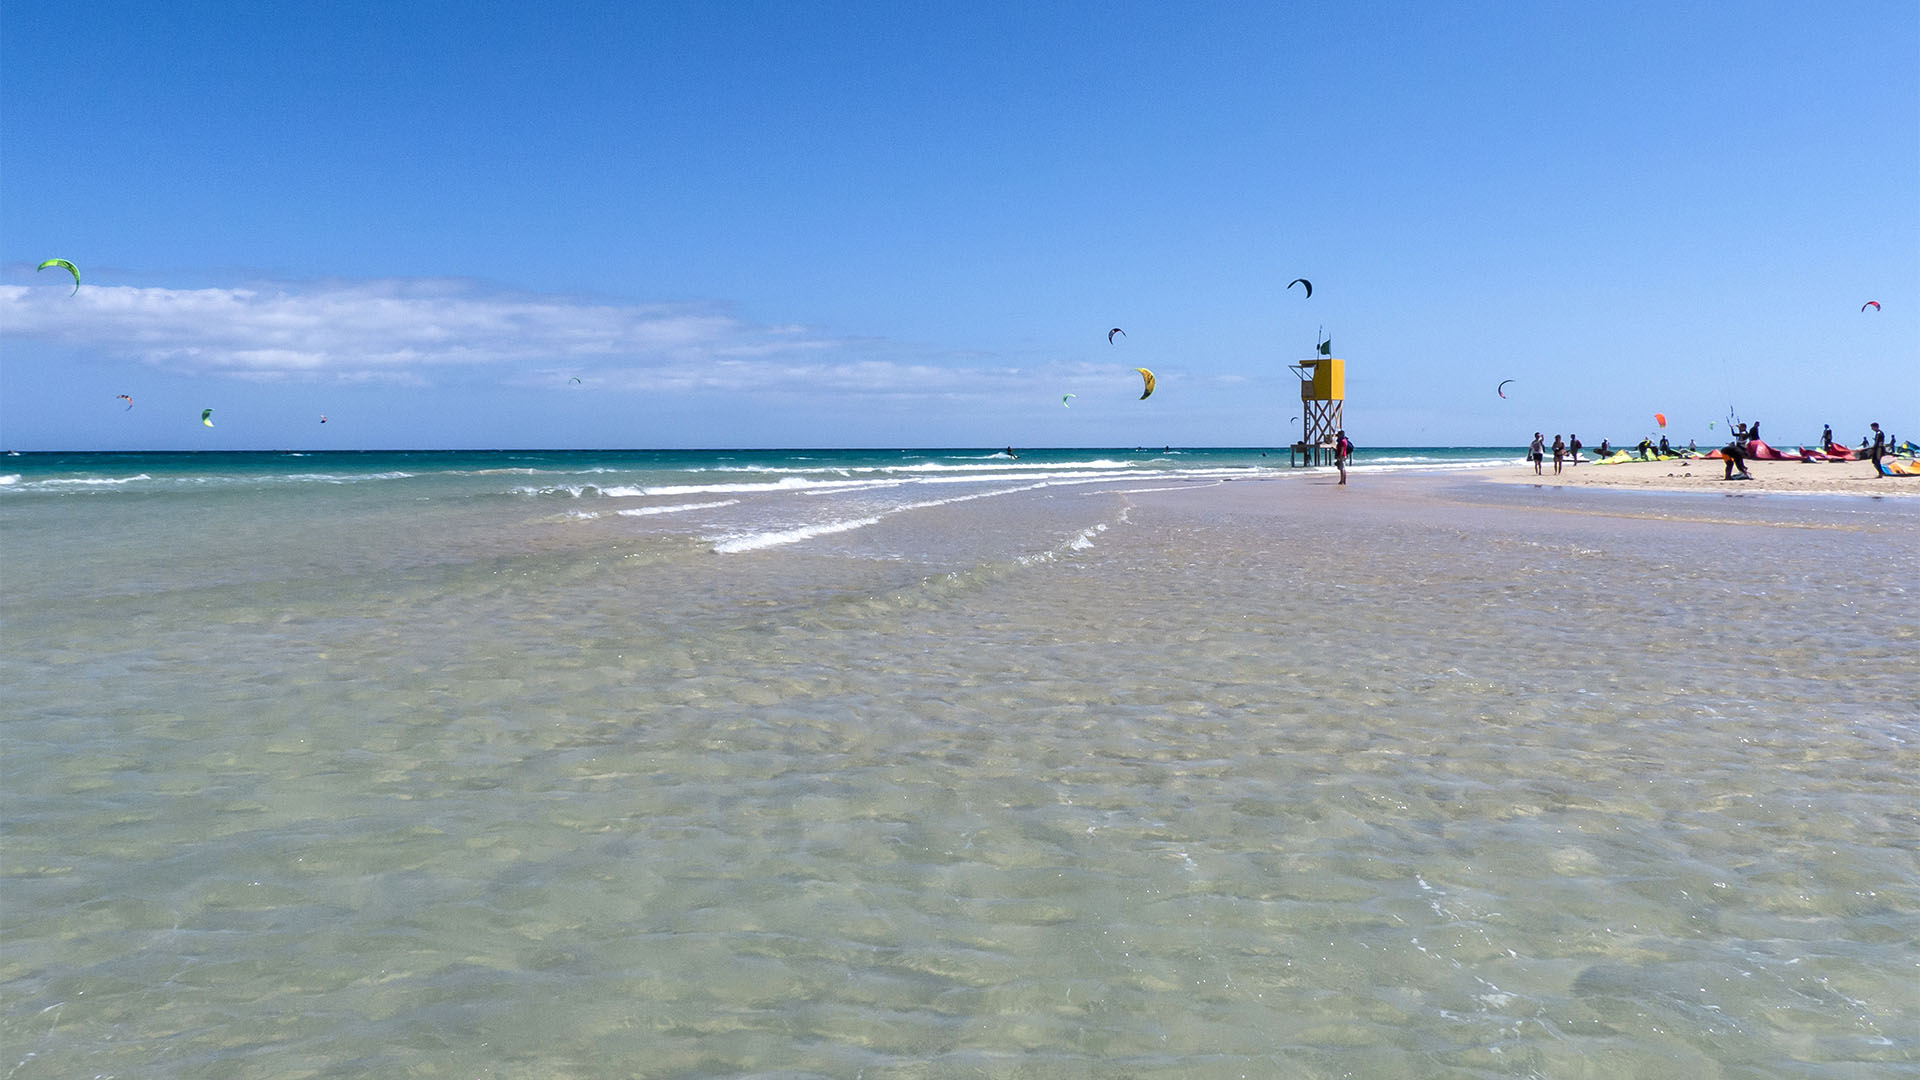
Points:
(1705, 475)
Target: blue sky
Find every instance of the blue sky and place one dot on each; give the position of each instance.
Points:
(877, 225)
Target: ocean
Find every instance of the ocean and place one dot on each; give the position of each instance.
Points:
(1110, 762)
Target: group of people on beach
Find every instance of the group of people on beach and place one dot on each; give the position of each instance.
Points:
(1734, 454)
(1564, 451)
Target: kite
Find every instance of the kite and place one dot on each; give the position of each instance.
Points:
(1874, 304)
(128, 398)
(323, 418)
(573, 380)
(1147, 375)
(1302, 281)
(1063, 401)
(1660, 418)
(75, 271)
(1291, 419)
(1115, 330)
(1501, 389)
(206, 417)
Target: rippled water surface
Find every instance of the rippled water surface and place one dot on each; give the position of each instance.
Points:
(1204, 772)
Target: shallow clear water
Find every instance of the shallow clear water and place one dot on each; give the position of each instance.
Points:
(1199, 770)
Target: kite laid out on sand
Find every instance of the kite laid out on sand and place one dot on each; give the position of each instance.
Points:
(1115, 330)
(1874, 304)
(1147, 375)
(206, 417)
(1502, 388)
(69, 268)
(1302, 281)
(128, 398)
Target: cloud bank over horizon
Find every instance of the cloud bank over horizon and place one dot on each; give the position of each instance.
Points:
(407, 332)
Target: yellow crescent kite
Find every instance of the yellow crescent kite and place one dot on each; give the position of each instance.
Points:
(1147, 375)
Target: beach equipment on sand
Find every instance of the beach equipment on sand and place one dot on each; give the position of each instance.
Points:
(1891, 467)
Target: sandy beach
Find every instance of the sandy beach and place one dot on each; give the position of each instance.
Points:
(1704, 475)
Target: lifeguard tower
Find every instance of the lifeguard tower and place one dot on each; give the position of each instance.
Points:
(1323, 393)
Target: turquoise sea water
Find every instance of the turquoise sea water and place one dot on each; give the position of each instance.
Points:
(937, 763)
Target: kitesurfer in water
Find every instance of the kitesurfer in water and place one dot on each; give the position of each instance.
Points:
(1537, 450)
(1342, 450)
(1009, 452)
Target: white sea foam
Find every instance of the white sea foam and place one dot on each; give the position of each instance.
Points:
(789, 483)
(645, 511)
(756, 541)
(340, 478)
(56, 482)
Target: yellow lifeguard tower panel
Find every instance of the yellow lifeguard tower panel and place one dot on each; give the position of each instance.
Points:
(1323, 395)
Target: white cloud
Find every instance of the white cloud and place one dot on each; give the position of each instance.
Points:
(406, 331)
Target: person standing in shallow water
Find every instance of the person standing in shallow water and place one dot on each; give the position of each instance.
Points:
(1342, 450)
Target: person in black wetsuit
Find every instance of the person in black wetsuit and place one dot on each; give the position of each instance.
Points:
(1735, 454)
(1879, 449)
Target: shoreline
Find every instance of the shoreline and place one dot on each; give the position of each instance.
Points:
(1702, 476)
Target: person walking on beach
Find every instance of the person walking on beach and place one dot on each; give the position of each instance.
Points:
(1559, 453)
(1573, 449)
(1826, 436)
(1342, 450)
(1879, 448)
(1537, 449)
